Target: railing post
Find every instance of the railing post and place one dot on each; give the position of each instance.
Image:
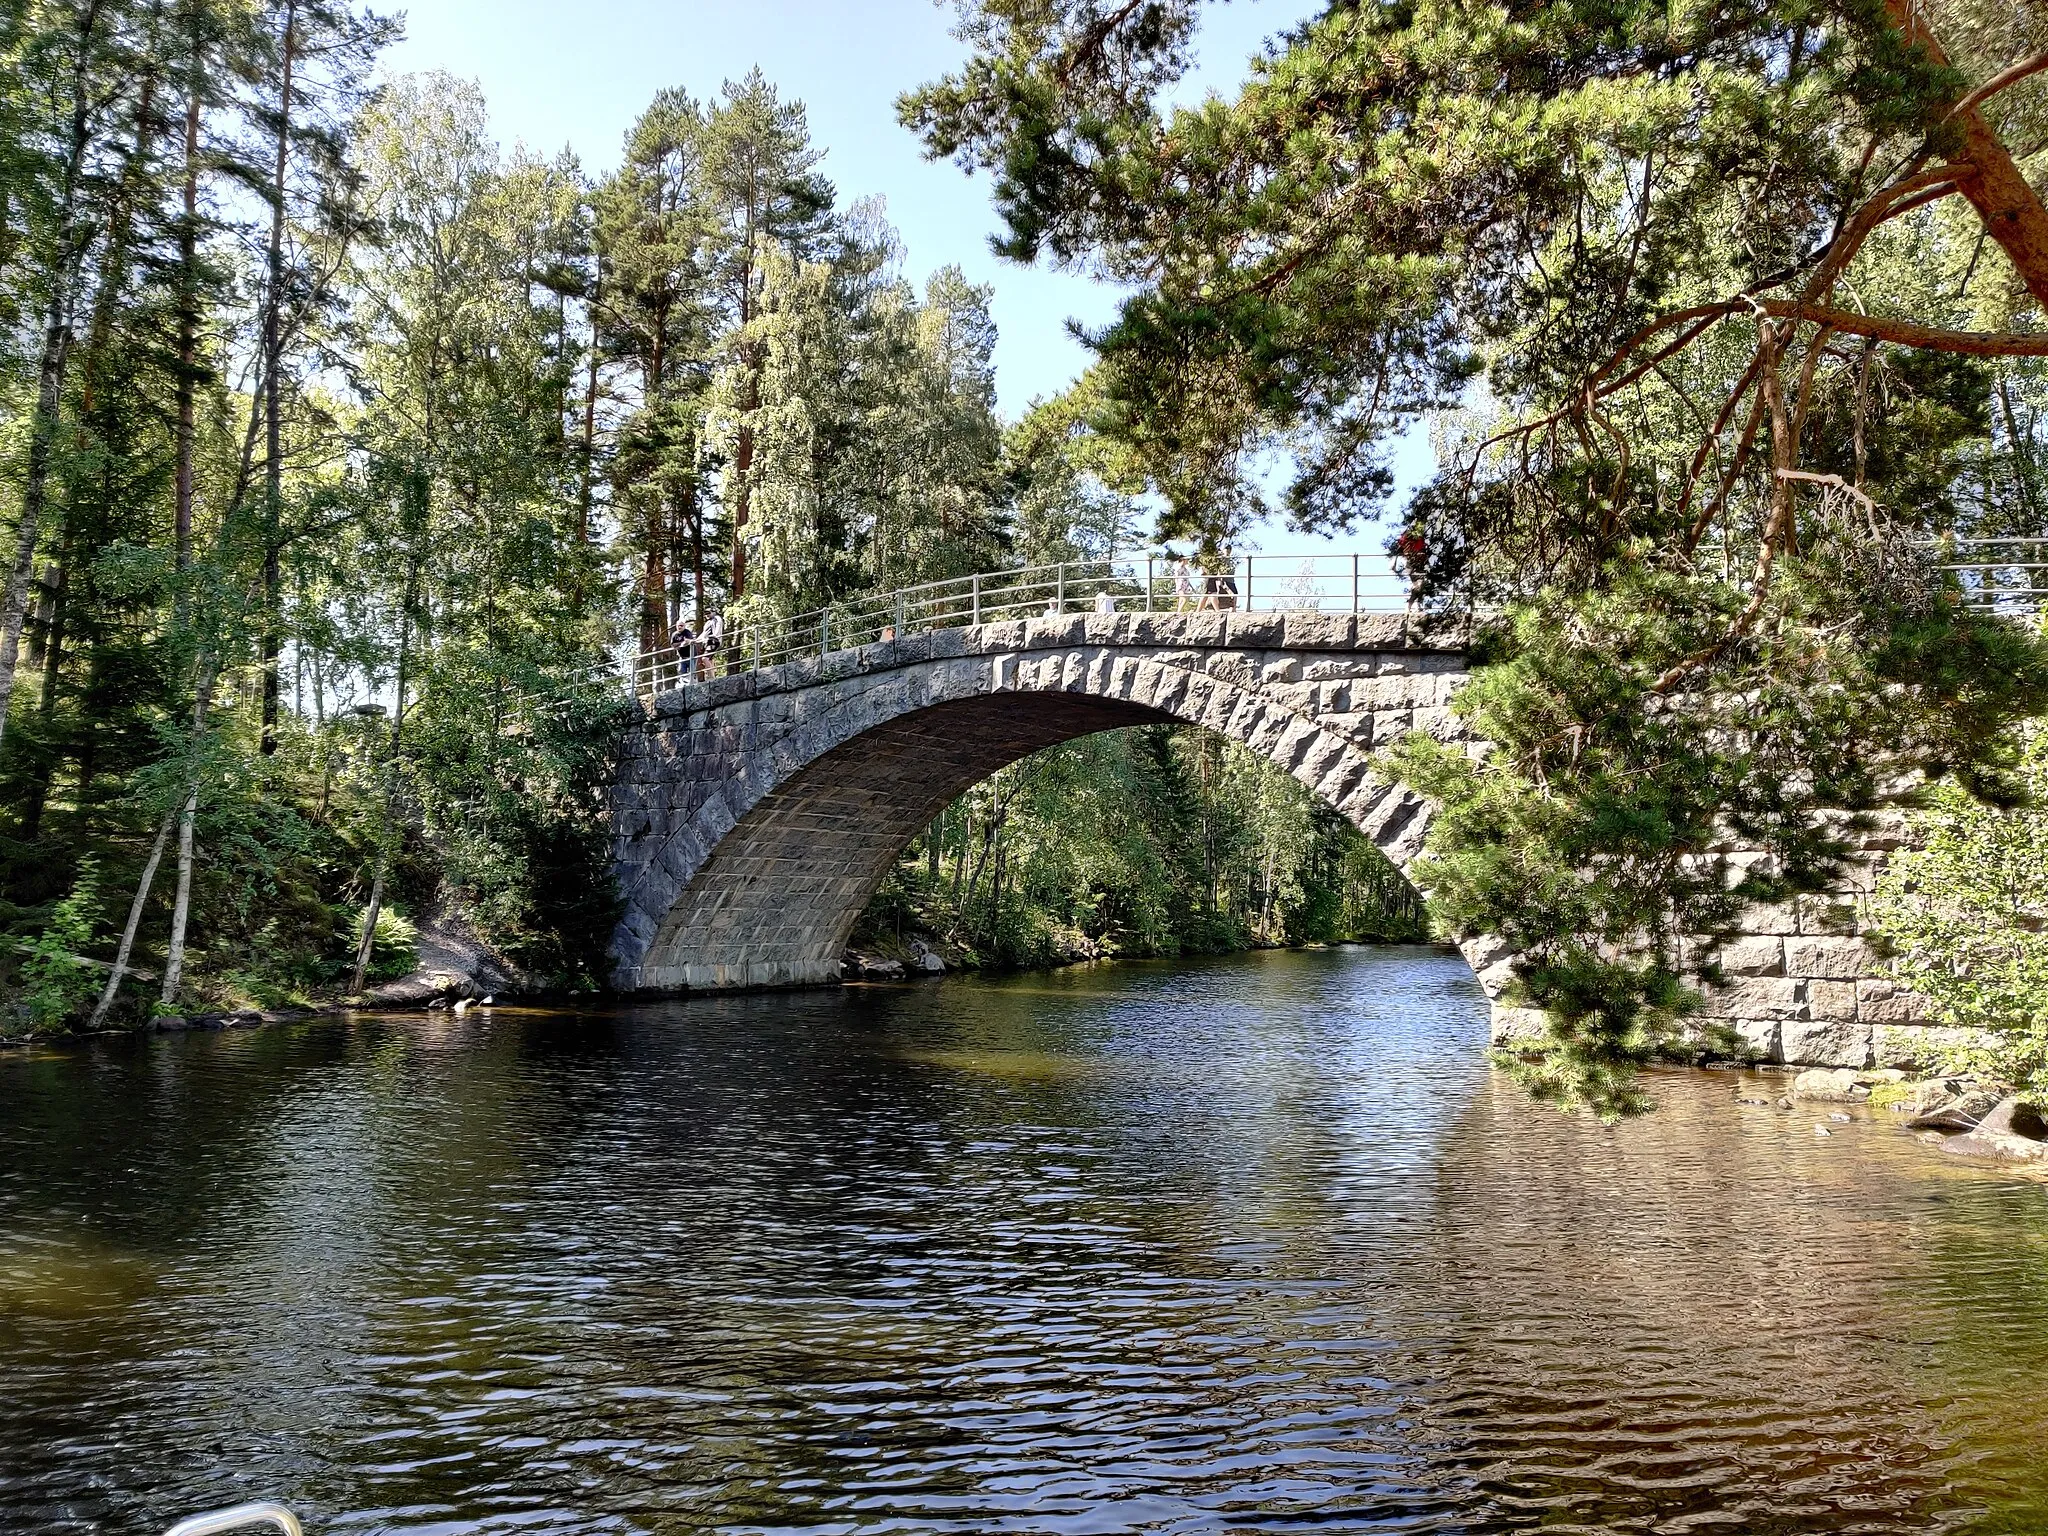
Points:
(900, 610)
(1148, 583)
(977, 597)
(757, 648)
(1354, 585)
(824, 633)
(1247, 583)
(1059, 586)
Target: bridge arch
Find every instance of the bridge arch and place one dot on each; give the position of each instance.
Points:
(756, 814)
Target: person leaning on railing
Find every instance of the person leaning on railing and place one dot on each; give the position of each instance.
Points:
(682, 640)
(711, 640)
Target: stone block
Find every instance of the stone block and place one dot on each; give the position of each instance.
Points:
(1484, 951)
(1753, 955)
(1383, 632)
(1056, 633)
(1317, 631)
(1831, 999)
(1770, 918)
(1843, 959)
(1389, 726)
(1438, 722)
(1885, 1002)
(1263, 727)
(1763, 1037)
(1332, 669)
(1254, 631)
(1827, 1043)
(1238, 671)
(1386, 691)
(997, 635)
(1822, 916)
(1326, 752)
(1514, 1026)
(1756, 997)
(1295, 743)
(1172, 692)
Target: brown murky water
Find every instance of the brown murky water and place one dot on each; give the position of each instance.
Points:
(1251, 1245)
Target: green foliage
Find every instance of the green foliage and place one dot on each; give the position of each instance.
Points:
(1965, 919)
(1596, 835)
(346, 554)
(394, 948)
(1679, 245)
(53, 983)
(1157, 840)
(518, 822)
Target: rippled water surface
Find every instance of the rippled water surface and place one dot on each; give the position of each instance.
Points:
(1251, 1245)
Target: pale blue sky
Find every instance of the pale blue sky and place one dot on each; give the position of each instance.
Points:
(558, 75)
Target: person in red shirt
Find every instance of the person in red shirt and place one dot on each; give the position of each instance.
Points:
(1411, 556)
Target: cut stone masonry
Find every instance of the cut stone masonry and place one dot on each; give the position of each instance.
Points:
(755, 814)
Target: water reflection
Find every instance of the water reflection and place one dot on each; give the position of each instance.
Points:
(1245, 1245)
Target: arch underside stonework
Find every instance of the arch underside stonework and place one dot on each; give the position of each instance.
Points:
(755, 815)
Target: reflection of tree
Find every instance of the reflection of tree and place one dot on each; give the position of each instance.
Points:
(1712, 1309)
(1214, 1243)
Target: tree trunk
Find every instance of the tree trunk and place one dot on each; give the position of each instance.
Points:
(188, 311)
(142, 887)
(37, 798)
(654, 580)
(66, 265)
(368, 939)
(273, 396)
(2012, 212)
(693, 512)
(181, 908)
(590, 419)
(743, 468)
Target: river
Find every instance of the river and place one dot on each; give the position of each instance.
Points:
(1255, 1244)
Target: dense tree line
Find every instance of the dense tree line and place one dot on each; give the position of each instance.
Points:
(1160, 840)
(348, 455)
(1726, 315)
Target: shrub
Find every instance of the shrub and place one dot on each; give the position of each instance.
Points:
(1966, 921)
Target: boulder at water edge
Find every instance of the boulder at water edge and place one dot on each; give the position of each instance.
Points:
(2013, 1132)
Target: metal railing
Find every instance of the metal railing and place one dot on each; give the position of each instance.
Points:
(1352, 583)
(2000, 575)
(1996, 574)
(241, 1518)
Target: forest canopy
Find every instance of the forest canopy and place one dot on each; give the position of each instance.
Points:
(349, 457)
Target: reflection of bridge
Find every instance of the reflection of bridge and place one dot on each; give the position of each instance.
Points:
(755, 812)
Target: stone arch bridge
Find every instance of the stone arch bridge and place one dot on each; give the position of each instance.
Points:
(754, 814)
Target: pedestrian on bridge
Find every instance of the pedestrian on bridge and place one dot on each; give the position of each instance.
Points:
(1411, 559)
(682, 640)
(711, 640)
